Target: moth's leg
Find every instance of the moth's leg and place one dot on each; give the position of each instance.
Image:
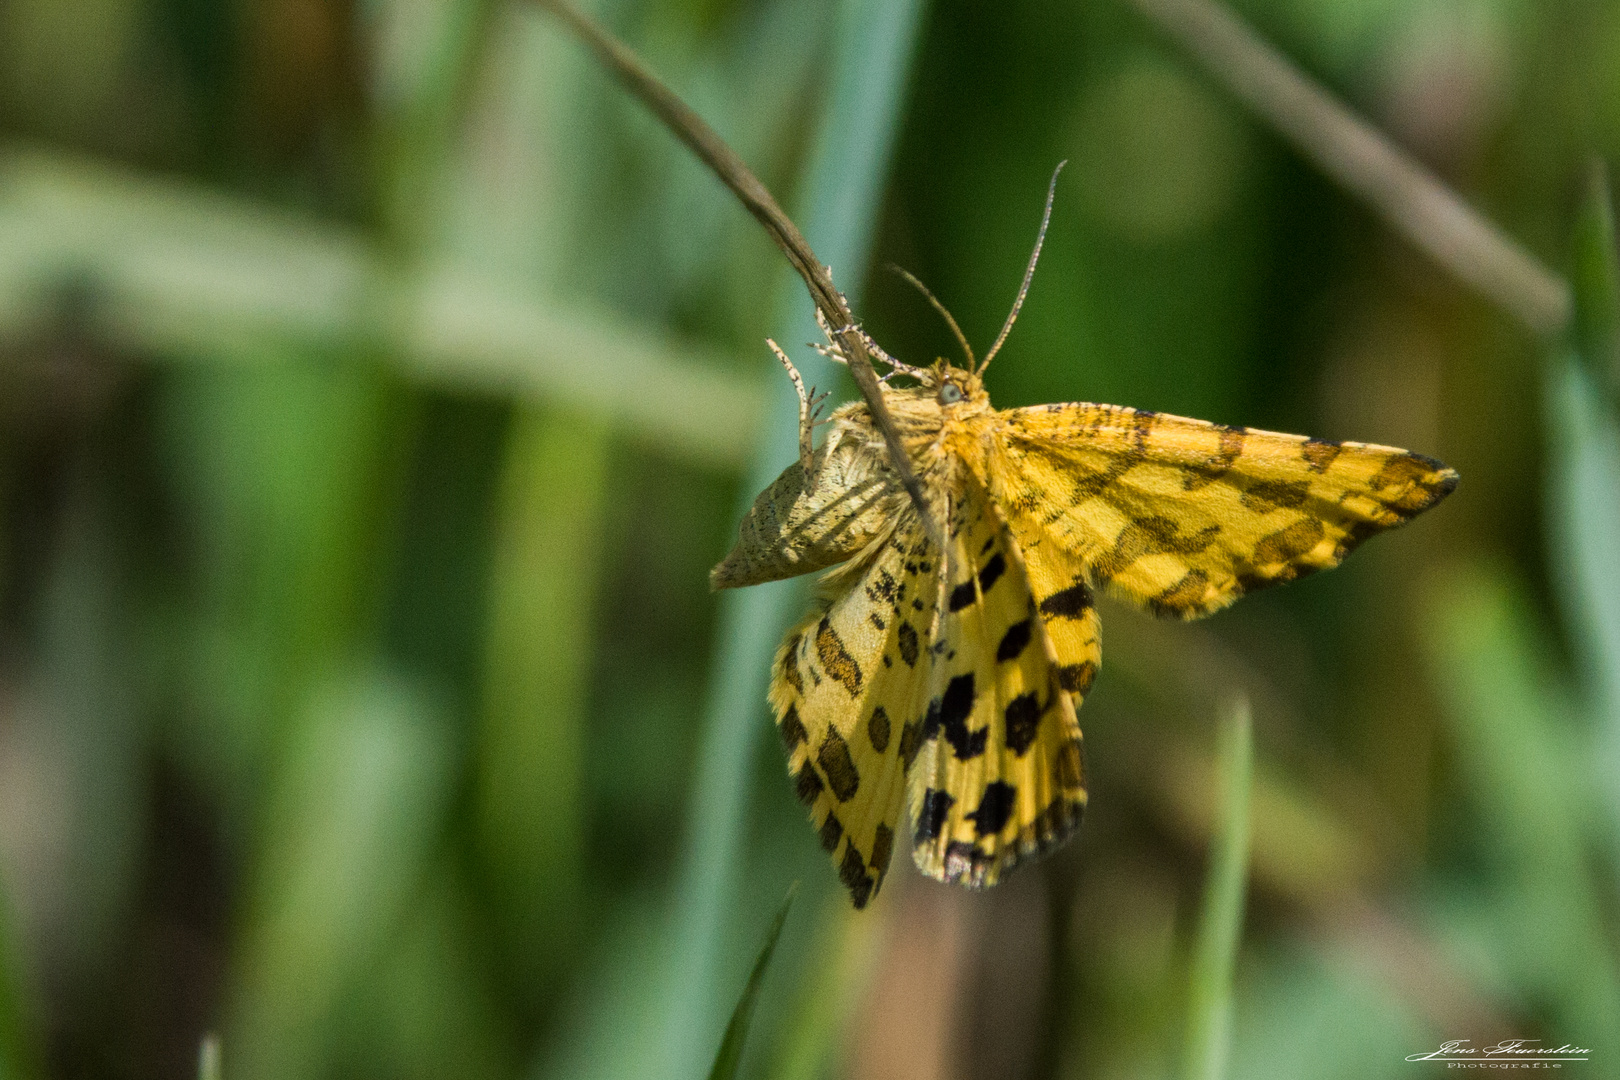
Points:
(832, 350)
(809, 405)
(896, 367)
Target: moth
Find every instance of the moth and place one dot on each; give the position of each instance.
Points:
(946, 675)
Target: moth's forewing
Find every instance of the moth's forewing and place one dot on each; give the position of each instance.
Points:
(1181, 517)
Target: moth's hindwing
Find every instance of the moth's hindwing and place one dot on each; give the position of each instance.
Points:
(1181, 517)
(1000, 775)
(846, 689)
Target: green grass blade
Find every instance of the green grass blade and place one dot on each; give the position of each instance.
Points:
(832, 986)
(198, 277)
(531, 746)
(354, 813)
(1583, 508)
(731, 1047)
(16, 1057)
(1209, 1010)
(1583, 540)
(1597, 284)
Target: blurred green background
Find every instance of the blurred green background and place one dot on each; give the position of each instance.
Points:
(378, 384)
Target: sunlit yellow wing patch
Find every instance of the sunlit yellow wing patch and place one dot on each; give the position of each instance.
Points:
(1057, 576)
(1182, 517)
(847, 688)
(999, 775)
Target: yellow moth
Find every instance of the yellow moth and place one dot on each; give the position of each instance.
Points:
(948, 679)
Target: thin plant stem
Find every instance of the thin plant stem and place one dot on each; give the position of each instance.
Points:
(691, 129)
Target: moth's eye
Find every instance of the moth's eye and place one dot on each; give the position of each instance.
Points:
(950, 394)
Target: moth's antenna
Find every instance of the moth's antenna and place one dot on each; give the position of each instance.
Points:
(961, 339)
(1034, 256)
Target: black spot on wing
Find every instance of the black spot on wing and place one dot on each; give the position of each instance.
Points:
(963, 594)
(908, 643)
(994, 808)
(1319, 453)
(911, 740)
(1077, 678)
(1271, 495)
(1287, 544)
(1069, 767)
(790, 663)
(835, 658)
(1014, 640)
(852, 872)
(882, 849)
(954, 709)
(1023, 715)
(1071, 603)
(834, 759)
(931, 817)
(1184, 599)
(992, 572)
(791, 728)
(881, 587)
(877, 729)
(832, 831)
(807, 785)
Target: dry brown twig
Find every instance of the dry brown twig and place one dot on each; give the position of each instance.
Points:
(692, 130)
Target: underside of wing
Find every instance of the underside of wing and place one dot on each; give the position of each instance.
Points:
(797, 526)
(999, 774)
(845, 684)
(1181, 517)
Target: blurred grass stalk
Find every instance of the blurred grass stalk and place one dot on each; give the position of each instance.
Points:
(537, 661)
(1220, 925)
(1583, 490)
(348, 833)
(1365, 162)
(362, 763)
(1597, 283)
(1535, 920)
(872, 49)
(191, 273)
(16, 1051)
(1547, 763)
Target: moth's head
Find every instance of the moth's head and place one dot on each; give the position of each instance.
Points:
(953, 385)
